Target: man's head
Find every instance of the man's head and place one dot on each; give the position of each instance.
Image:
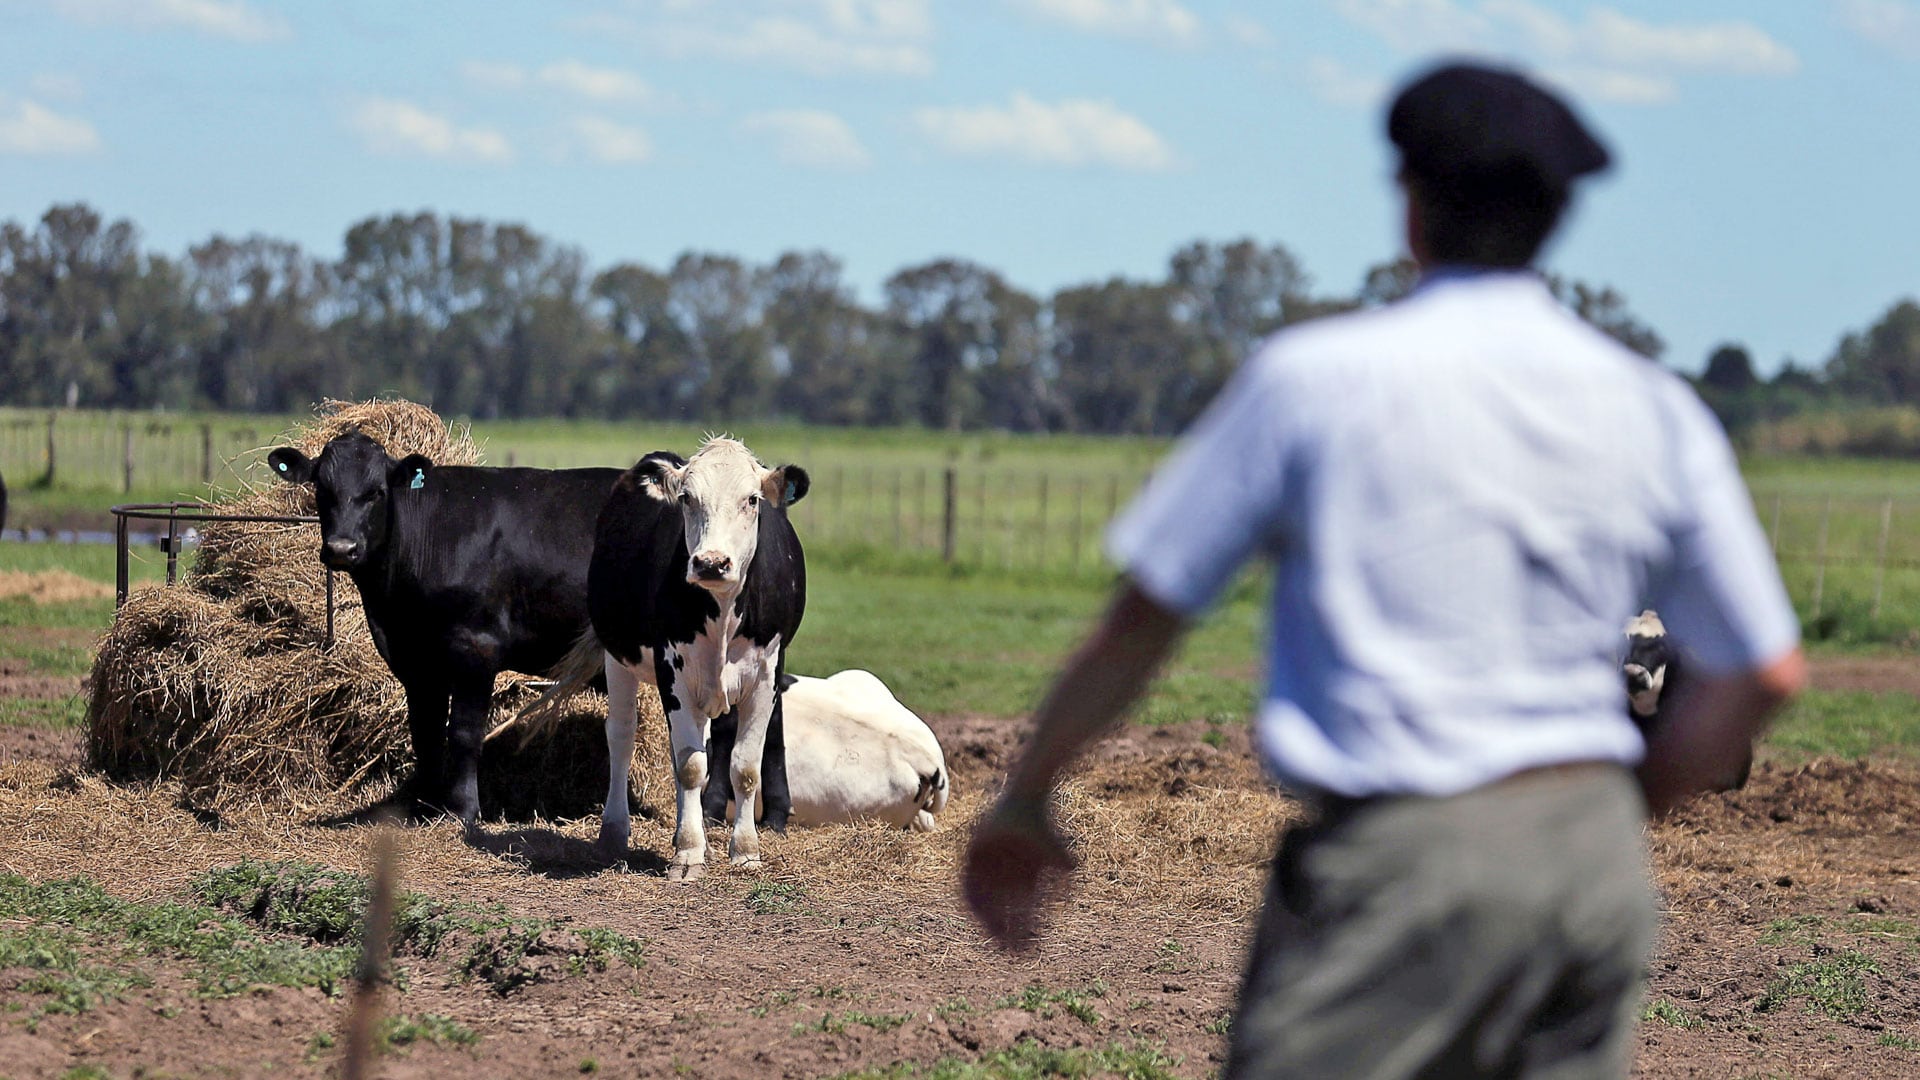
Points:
(353, 480)
(1488, 160)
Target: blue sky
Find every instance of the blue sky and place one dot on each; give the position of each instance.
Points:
(1768, 153)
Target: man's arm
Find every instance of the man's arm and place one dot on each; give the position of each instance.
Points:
(1710, 727)
(1016, 855)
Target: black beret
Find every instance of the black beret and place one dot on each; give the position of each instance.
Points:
(1473, 135)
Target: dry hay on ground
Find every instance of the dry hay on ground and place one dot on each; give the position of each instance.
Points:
(51, 586)
(225, 682)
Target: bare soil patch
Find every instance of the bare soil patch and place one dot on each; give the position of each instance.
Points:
(850, 950)
(51, 586)
(1880, 674)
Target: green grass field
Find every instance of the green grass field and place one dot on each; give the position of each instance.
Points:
(948, 642)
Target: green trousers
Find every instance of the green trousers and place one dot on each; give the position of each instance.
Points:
(1499, 933)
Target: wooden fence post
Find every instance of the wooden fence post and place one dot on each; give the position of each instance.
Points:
(1820, 559)
(126, 457)
(1079, 497)
(949, 494)
(46, 478)
(1776, 525)
(1041, 552)
(896, 510)
(206, 453)
(1880, 572)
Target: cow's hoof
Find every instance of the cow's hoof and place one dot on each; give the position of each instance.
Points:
(748, 862)
(686, 872)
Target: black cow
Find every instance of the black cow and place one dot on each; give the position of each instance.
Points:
(1654, 670)
(464, 572)
(697, 586)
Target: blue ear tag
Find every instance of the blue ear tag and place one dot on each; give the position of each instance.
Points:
(790, 487)
(419, 479)
(282, 466)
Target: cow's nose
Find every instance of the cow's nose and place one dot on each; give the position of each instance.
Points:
(339, 552)
(710, 566)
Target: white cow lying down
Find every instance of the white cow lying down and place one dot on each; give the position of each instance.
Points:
(856, 754)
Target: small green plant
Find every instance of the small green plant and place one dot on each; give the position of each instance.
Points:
(1215, 738)
(830, 1024)
(1028, 1060)
(770, 897)
(86, 1072)
(957, 1005)
(1041, 1002)
(829, 993)
(1666, 1012)
(1835, 986)
(401, 1031)
(321, 1042)
(779, 999)
(589, 1065)
(1221, 1024)
(1794, 929)
(1898, 1042)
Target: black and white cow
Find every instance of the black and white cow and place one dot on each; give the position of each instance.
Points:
(463, 572)
(698, 584)
(1655, 669)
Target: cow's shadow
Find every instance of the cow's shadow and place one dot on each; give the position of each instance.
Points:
(553, 854)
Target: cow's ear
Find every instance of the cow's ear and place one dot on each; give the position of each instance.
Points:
(410, 472)
(785, 485)
(291, 465)
(659, 474)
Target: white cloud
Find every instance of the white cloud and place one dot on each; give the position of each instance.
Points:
(30, 129)
(494, 76)
(1737, 47)
(1156, 20)
(58, 87)
(232, 19)
(1893, 25)
(1612, 85)
(1419, 26)
(1248, 31)
(610, 143)
(816, 37)
(1333, 82)
(1075, 132)
(810, 138)
(1603, 55)
(597, 84)
(391, 126)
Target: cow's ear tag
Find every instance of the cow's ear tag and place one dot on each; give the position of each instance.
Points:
(282, 466)
(419, 479)
(790, 492)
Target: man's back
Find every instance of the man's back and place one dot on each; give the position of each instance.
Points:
(1466, 493)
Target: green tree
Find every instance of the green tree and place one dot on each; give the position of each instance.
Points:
(1882, 363)
(974, 341)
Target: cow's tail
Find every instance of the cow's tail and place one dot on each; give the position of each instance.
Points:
(570, 676)
(932, 799)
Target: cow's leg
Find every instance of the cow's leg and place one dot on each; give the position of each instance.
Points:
(688, 736)
(773, 768)
(756, 712)
(623, 715)
(426, 790)
(719, 789)
(466, 730)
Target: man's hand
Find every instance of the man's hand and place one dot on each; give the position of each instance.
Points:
(1016, 863)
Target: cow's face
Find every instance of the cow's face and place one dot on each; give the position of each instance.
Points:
(722, 491)
(353, 480)
(1645, 666)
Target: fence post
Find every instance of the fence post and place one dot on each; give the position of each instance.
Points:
(1820, 558)
(126, 456)
(46, 479)
(206, 453)
(1079, 497)
(1006, 521)
(980, 516)
(1776, 525)
(1880, 573)
(948, 497)
(896, 510)
(1041, 551)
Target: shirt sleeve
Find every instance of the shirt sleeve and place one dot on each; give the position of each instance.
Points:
(1214, 499)
(1721, 598)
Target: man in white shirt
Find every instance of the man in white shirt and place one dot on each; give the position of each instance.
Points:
(1465, 495)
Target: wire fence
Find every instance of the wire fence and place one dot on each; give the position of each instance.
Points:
(1838, 551)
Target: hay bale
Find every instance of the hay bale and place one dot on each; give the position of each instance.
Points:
(225, 682)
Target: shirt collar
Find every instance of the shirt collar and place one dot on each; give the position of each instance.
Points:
(1452, 272)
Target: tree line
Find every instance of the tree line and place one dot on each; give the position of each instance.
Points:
(490, 320)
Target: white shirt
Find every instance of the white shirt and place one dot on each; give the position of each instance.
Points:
(1466, 495)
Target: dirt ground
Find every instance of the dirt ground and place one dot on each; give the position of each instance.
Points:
(1791, 942)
